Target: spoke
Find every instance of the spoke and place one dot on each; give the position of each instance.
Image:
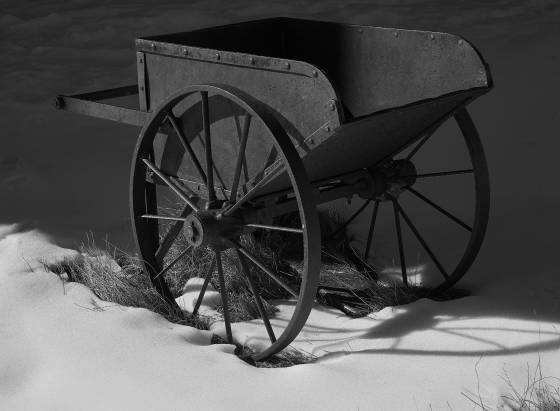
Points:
(418, 146)
(214, 167)
(171, 235)
(208, 147)
(162, 217)
(223, 186)
(257, 297)
(172, 263)
(266, 179)
(204, 286)
(356, 214)
(443, 173)
(151, 201)
(182, 185)
(171, 185)
(275, 227)
(240, 158)
(257, 262)
(421, 240)
(239, 134)
(371, 228)
(186, 144)
(270, 159)
(223, 293)
(399, 238)
(440, 209)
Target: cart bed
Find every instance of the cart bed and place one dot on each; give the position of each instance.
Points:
(356, 93)
(371, 68)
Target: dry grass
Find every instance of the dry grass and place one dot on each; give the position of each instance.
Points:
(351, 284)
(270, 248)
(346, 281)
(118, 279)
(539, 392)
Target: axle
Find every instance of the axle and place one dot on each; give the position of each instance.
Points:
(380, 183)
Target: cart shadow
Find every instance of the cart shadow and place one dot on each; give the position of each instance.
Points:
(472, 326)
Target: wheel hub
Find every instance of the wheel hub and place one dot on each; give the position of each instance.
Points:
(388, 181)
(205, 228)
(397, 176)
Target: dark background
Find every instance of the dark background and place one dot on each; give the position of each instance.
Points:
(68, 174)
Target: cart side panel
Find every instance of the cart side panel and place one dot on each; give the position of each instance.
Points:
(376, 68)
(301, 101)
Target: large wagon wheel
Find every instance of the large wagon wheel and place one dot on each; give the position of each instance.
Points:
(205, 147)
(409, 254)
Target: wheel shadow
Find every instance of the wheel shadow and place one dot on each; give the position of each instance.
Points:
(471, 326)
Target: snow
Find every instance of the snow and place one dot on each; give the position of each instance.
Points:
(190, 294)
(62, 348)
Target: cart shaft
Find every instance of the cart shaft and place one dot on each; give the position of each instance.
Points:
(88, 104)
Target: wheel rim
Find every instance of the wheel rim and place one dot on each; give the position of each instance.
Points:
(404, 180)
(216, 197)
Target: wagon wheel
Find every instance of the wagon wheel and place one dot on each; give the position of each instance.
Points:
(430, 217)
(197, 168)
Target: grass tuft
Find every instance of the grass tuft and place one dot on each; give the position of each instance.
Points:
(346, 282)
(119, 279)
(539, 393)
(271, 248)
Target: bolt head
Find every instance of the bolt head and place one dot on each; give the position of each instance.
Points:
(332, 105)
(327, 128)
(252, 60)
(432, 37)
(153, 46)
(287, 65)
(460, 42)
(185, 51)
(217, 56)
(396, 34)
(315, 73)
